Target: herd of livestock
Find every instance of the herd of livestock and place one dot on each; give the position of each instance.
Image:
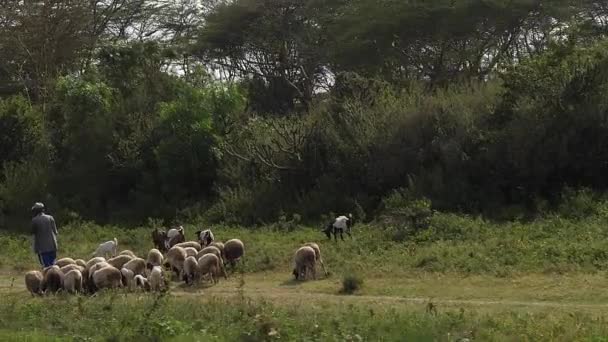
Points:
(202, 259)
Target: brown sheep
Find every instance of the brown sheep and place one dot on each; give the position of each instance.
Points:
(155, 258)
(64, 261)
(233, 250)
(67, 268)
(212, 265)
(33, 282)
(107, 277)
(136, 265)
(81, 263)
(209, 250)
(120, 260)
(128, 252)
(72, 281)
(192, 244)
(304, 259)
(53, 279)
(190, 272)
(176, 256)
(190, 251)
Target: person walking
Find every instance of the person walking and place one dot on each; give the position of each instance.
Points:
(45, 235)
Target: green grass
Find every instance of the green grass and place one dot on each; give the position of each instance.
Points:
(541, 280)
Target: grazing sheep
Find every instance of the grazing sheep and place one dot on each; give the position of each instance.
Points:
(107, 248)
(192, 244)
(155, 258)
(205, 237)
(233, 251)
(317, 254)
(94, 261)
(340, 225)
(34, 281)
(107, 277)
(142, 282)
(119, 260)
(52, 280)
(209, 250)
(304, 260)
(189, 274)
(157, 280)
(67, 268)
(175, 259)
(219, 245)
(190, 251)
(81, 263)
(160, 239)
(128, 278)
(97, 267)
(64, 261)
(136, 265)
(128, 252)
(72, 282)
(212, 265)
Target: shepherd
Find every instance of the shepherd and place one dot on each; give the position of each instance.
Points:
(45, 235)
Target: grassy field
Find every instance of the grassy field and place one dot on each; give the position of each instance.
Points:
(463, 279)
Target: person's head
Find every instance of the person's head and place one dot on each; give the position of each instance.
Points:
(37, 208)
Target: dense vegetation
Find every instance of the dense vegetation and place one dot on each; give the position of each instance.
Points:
(254, 111)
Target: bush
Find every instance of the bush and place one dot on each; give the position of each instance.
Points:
(351, 283)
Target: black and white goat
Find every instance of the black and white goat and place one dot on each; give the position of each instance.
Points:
(340, 225)
(205, 237)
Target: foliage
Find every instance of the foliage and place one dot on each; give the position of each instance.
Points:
(351, 284)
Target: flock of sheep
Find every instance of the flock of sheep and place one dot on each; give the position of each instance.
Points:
(188, 261)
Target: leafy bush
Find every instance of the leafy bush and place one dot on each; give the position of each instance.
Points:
(351, 283)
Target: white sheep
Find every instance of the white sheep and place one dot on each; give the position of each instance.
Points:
(107, 248)
(72, 281)
(219, 245)
(156, 278)
(81, 262)
(34, 281)
(67, 268)
(128, 252)
(137, 265)
(304, 260)
(190, 251)
(142, 282)
(210, 264)
(209, 250)
(175, 259)
(189, 274)
(94, 261)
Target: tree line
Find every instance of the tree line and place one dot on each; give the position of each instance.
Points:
(249, 111)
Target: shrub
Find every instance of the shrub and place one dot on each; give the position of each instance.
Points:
(351, 283)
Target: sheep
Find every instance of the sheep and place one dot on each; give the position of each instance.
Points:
(52, 280)
(205, 237)
(128, 278)
(67, 268)
(189, 274)
(156, 279)
(233, 251)
(212, 265)
(190, 251)
(97, 267)
(317, 254)
(94, 261)
(175, 259)
(160, 239)
(155, 258)
(119, 260)
(141, 282)
(304, 260)
(192, 244)
(107, 248)
(178, 238)
(81, 263)
(209, 250)
(34, 281)
(219, 245)
(64, 261)
(72, 281)
(340, 225)
(128, 252)
(136, 265)
(107, 277)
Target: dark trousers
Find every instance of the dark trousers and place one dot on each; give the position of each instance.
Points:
(47, 258)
